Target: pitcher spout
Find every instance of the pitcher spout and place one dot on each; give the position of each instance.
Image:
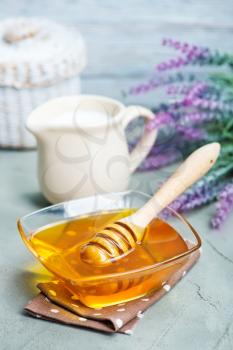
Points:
(42, 118)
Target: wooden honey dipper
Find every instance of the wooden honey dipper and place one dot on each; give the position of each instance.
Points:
(119, 238)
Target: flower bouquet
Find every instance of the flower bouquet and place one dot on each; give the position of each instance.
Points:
(199, 110)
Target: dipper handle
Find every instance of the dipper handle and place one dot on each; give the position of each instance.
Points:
(119, 238)
(190, 171)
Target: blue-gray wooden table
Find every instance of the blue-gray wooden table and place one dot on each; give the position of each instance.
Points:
(123, 40)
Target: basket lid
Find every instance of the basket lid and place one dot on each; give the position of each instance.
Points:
(38, 52)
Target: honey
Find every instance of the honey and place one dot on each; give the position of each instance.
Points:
(58, 248)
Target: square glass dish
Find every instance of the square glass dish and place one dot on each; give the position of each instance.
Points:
(55, 234)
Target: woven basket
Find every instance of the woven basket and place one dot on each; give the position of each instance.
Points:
(39, 60)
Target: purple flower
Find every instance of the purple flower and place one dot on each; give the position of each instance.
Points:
(178, 90)
(197, 117)
(191, 55)
(196, 90)
(160, 120)
(205, 104)
(190, 133)
(155, 82)
(200, 199)
(204, 191)
(174, 63)
(160, 160)
(224, 206)
(213, 105)
(185, 48)
(194, 198)
(182, 122)
(158, 81)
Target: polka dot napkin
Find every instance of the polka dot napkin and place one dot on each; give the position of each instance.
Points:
(56, 303)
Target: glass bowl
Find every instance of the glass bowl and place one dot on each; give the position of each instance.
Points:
(119, 286)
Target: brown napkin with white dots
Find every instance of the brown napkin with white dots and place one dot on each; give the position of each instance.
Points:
(56, 303)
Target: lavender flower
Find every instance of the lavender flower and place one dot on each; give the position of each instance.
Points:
(178, 90)
(185, 48)
(196, 90)
(160, 120)
(205, 104)
(197, 118)
(203, 192)
(174, 63)
(212, 105)
(202, 198)
(190, 133)
(151, 85)
(193, 199)
(224, 206)
(191, 55)
(158, 82)
(201, 111)
(160, 160)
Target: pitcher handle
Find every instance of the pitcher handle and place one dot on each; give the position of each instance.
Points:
(148, 138)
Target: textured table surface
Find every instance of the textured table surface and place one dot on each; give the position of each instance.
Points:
(196, 314)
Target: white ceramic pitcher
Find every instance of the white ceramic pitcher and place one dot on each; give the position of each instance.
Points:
(82, 147)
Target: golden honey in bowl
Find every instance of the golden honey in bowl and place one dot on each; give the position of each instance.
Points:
(58, 248)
